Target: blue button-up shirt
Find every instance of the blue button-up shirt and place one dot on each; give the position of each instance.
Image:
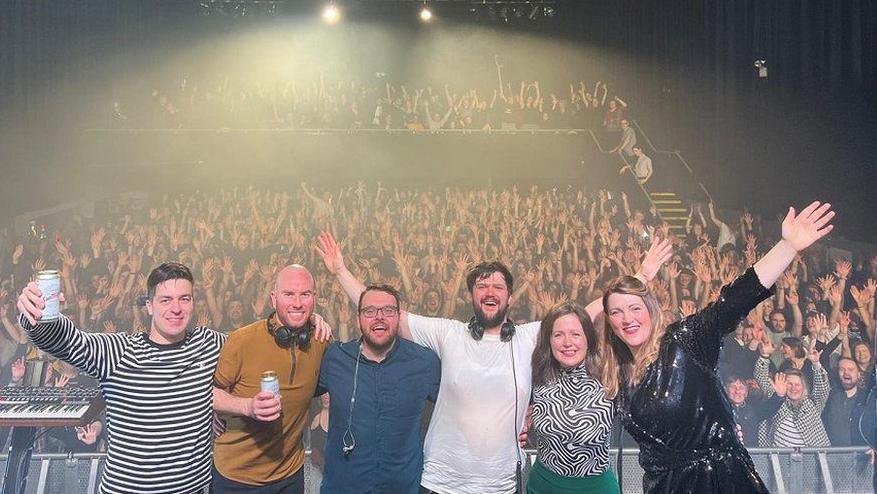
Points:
(390, 397)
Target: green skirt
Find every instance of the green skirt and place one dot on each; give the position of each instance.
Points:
(544, 481)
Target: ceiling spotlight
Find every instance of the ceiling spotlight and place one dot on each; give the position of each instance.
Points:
(425, 14)
(331, 14)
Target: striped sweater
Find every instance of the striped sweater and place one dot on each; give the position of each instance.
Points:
(159, 403)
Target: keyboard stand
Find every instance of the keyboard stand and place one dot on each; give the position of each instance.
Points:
(18, 462)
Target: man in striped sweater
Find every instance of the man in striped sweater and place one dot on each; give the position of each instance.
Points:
(158, 386)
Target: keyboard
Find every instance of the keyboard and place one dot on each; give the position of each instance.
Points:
(48, 406)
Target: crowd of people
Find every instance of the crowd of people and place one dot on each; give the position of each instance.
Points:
(372, 104)
(809, 343)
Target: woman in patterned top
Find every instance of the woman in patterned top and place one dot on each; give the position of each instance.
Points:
(572, 417)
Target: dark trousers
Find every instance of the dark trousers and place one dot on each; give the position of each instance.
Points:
(294, 484)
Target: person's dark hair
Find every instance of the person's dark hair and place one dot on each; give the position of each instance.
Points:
(796, 346)
(545, 366)
(485, 269)
(164, 272)
(734, 378)
(378, 288)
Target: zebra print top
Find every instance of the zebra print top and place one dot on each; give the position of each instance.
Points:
(572, 419)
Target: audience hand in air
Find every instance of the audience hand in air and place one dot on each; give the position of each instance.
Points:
(659, 253)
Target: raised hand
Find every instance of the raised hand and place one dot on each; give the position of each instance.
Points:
(862, 297)
(673, 270)
(227, 265)
(842, 268)
(462, 261)
(836, 295)
(135, 263)
(19, 367)
(766, 348)
(871, 287)
(826, 283)
(821, 325)
(203, 319)
(329, 249)
(110, 326)
(17, 253)
(802, 230)
(30, 303)
(87, 434)
(39, 264)
(843, 322)
(96, 239)
(813, 354)
(658, 254)
(790, 279)
(779, 384)
(82, 301)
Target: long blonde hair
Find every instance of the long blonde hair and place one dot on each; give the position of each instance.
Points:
(620, 368)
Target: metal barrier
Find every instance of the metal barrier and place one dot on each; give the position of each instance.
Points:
(785, 471)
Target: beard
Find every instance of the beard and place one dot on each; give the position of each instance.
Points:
(374, 345)
(489, 322)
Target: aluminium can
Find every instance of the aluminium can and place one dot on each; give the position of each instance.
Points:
(270, 383)
(49, 282)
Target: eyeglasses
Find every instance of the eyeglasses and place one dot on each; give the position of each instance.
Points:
(386, 311)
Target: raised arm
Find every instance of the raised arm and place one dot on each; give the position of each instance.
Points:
(799, 231)
(329, 249)
(499, 77)
(707, 327)
(95, 354)
(658, 254)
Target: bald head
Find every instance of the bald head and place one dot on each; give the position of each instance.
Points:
(293, 296)
(293, 271)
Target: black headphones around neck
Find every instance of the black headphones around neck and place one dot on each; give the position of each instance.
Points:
(287, 337)
(476, 329)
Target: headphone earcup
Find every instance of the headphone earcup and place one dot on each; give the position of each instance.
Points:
(303, 338)
(507, 331)
(476, 329)
(283, 336)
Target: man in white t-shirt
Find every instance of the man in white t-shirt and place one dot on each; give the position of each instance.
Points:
(471, 445)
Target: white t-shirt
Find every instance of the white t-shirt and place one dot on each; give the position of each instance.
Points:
(471, 446)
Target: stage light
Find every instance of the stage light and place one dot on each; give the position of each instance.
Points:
(331, 14)
(425, 14)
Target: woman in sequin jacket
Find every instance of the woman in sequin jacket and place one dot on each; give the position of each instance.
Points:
(664, 379)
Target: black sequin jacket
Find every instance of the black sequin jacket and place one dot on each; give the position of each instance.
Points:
(679, 413)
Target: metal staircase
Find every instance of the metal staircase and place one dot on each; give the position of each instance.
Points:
(671, 209)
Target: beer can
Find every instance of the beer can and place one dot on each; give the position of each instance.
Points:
(270, 382)
(49, 282)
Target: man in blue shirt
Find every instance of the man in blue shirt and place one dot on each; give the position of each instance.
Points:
(378, 386)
